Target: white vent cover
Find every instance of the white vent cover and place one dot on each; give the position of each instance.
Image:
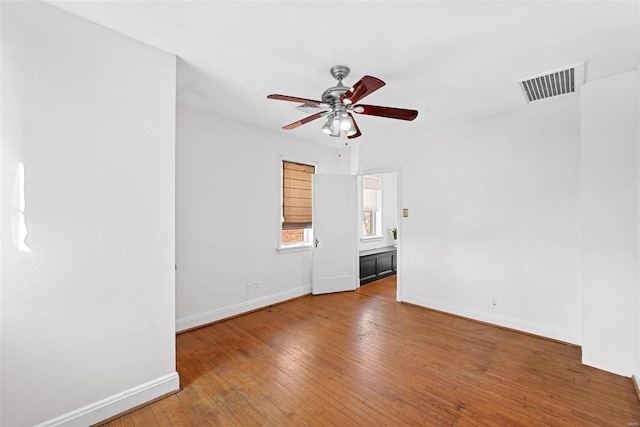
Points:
(309, 108)
(554, 83)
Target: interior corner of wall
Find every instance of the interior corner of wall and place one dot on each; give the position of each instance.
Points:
(355, 158)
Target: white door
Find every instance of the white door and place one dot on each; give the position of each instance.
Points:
(335, 233)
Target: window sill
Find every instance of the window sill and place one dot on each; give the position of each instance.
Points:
(294, 248)
(371, 239)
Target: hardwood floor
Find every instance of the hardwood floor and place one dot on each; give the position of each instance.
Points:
(360, 358)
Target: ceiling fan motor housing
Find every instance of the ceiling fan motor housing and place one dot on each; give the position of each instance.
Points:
(332, 95)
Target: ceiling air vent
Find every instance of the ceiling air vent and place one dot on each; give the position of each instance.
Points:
(309, 108)
(552, 84)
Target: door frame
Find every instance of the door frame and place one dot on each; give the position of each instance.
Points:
(398, 171)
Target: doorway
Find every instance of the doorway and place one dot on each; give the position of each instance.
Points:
(380, 215)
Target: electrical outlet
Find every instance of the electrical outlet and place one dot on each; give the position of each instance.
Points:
(249, 285)
(255, 286)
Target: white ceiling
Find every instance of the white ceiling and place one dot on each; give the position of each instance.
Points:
(451, 61)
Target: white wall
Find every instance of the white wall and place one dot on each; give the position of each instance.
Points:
(87, 317)
(227, 216)
(609, 212)
(493, 216)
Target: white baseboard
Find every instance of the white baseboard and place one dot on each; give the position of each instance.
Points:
(499, 320)
(118, 403)
(233, 310)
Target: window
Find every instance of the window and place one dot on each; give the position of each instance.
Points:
(371, 206)
(297, 195)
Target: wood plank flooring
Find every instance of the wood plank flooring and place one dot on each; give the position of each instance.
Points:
(361, 358)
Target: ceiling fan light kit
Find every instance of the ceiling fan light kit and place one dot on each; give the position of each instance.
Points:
(338, 102)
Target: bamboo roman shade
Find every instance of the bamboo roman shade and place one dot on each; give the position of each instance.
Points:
(296, 195)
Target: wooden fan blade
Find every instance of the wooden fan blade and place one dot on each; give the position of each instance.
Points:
(357, 134)
(365, 86)
(306, 120)
(294, 99)
(390, 112)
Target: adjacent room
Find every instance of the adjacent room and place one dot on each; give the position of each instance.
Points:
(168, 165)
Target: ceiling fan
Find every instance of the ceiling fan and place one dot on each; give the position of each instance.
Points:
(339, 102)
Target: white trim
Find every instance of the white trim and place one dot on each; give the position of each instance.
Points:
(371, 238)
(300, 247)
(547, 331)
(236, 309)
(118, 403)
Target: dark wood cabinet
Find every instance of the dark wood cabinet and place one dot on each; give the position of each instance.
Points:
(378, 263)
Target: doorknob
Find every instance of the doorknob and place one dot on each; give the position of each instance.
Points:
(317, 241)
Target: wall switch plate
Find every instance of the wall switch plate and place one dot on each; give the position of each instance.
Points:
(405, 213)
